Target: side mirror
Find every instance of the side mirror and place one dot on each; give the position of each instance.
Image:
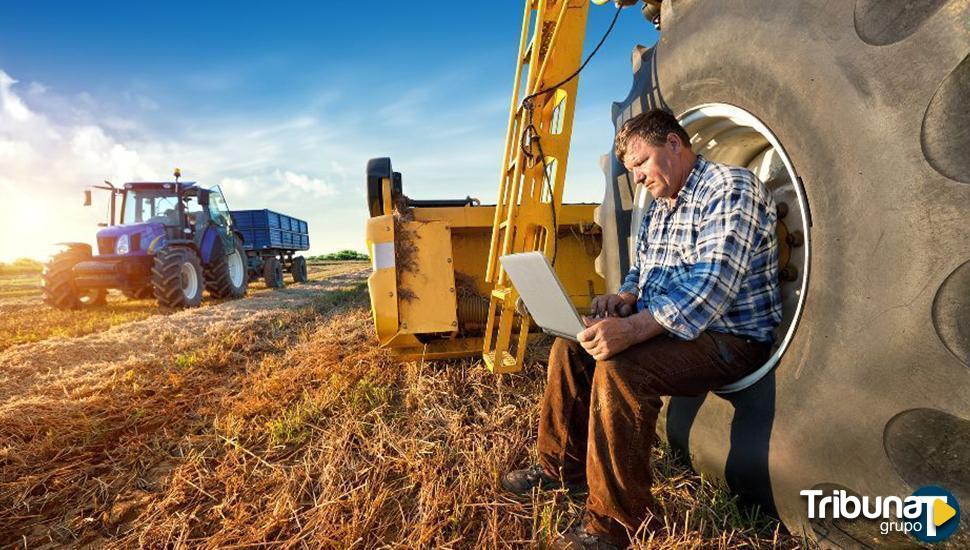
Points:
(203, 198)
(87, 197)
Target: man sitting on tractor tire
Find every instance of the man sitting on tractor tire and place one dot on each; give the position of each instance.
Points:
(697, 311)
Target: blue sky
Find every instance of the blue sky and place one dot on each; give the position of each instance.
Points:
(280, 103)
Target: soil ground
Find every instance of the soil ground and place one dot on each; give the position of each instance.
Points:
(275, 419)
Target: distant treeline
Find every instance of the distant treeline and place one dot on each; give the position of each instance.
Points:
(342, 256)
(20, 266)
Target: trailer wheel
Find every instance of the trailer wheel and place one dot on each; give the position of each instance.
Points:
(227, 276)
(870, 112)
(177, 278)
(57, 281)
(299, 270)
(273, 272)
(142, 293)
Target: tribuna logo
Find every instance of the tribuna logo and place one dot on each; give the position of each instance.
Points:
(931, 514)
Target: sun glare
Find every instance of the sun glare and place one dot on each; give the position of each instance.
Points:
(31, 224)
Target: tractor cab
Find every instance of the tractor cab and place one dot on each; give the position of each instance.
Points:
(154, 214)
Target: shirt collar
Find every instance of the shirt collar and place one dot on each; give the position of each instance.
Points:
(700, 165)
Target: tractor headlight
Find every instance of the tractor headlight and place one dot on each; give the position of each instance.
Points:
(123, 245)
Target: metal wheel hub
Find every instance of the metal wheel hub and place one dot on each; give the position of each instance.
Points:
(236, 268)
(189, 279)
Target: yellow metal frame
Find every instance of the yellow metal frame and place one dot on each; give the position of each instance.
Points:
(524, 219)
(452, 250)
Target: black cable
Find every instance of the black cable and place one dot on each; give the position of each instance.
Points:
(531, 133)
(529, 98)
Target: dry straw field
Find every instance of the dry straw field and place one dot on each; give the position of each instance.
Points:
(275, 420)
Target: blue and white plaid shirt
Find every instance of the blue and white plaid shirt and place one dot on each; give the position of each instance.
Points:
(710, 261)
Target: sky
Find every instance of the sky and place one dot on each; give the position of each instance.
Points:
(279, 103)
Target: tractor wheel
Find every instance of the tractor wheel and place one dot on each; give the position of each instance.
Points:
(227, 276)
(143, 293)
(856, 118)
(57, 281)
(273, 273)
(299, 270)
(177, 278)
(93, 297)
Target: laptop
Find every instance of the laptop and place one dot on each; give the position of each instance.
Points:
(543, 294)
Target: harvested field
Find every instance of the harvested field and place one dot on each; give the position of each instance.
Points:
(24, 317)
(275, 419)
(18, 285)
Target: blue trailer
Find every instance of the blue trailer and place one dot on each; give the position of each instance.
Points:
(270, 240)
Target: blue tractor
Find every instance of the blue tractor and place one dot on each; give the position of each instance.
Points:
(174, 240)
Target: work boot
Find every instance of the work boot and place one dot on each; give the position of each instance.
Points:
(521, 482)
(580, 539)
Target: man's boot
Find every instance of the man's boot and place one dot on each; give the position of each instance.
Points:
(522, 482)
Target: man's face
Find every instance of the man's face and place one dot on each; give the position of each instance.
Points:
(659, 168)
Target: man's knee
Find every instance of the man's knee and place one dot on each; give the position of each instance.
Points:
(562, 347)
(623, 391)
(624, 372)
(620, 366)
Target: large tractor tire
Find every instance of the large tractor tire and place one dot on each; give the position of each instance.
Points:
(856, 117)
(57, 281)
(273, 273)
(299, 270)
(227, 276)
(177, 278)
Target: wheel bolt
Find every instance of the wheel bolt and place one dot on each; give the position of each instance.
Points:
(795, 239)
(782, 209)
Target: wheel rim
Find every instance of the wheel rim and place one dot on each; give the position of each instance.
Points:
(235, 269)
(190, 280)
(728, 134)
(88, 296)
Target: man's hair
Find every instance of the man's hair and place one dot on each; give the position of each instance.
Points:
(653, 127)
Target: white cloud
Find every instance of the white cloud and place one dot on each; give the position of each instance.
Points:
(317, 187)
(306, 160)
(237, 188)
(13, 107)
(36, 88)
(45, 165)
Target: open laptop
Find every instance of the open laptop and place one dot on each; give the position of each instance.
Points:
(543, 294)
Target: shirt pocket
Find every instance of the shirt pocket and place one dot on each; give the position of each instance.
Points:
(687, 252)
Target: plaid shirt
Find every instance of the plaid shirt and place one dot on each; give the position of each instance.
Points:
(710, 261)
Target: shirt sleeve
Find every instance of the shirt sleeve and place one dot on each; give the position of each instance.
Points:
(725, 243)
(631, 283)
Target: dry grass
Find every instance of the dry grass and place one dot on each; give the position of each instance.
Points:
(22, 266)
(269, 422)
(25, 318)
(30, 320)
(17, 285)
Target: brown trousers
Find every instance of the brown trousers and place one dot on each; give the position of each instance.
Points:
(599, 417)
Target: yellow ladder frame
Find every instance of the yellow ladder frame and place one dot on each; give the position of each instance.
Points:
(523, 214)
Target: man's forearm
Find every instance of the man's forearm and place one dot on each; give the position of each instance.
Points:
(644, 326)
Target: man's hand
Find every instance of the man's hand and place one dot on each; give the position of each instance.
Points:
(604, 338)
(607, 336)
(613, 305)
